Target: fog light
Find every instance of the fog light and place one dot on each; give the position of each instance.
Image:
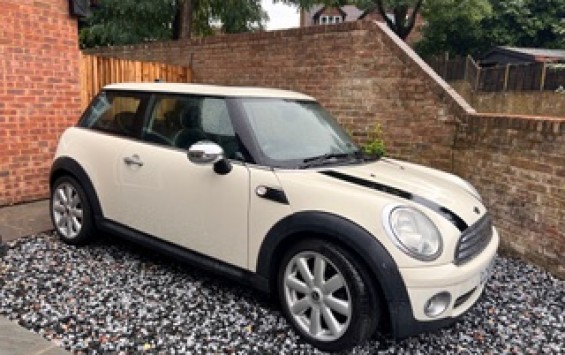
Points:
(437, 304)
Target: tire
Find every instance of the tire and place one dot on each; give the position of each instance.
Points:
(70, 211)
(327, 296)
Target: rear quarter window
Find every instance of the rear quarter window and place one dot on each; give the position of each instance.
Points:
(116, 113)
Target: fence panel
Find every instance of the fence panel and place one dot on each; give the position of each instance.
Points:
(96, 72)
(492, 79)
(554, 77)
(455, 69)
(511, 77)
(448, 69)
(524, 77)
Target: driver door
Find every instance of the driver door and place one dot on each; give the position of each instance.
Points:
(168, 197)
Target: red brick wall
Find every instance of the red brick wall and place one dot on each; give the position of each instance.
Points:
(365, 74)
(518, 164)
(358, 70)
(39, 92)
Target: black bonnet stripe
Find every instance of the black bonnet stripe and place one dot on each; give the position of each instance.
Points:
(446, 213)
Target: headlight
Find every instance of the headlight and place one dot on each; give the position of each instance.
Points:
(413, 232)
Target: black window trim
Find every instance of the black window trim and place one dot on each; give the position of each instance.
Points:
(139, 116)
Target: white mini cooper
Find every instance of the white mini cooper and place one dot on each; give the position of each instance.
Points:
(263, 186)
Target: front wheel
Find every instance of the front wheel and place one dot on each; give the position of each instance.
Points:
(70, 211)
(326, 296)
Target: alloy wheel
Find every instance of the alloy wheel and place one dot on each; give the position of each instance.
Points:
(67, 209)
(317, 296)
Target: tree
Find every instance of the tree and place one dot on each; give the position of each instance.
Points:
(117, 22)
(202, 17)
(453, 26)
(526, 23)
(404, 13)
(474, 26)
(182, 26)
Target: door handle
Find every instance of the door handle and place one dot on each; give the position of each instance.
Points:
(133, 160)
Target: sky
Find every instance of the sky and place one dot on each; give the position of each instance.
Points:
(280, 15)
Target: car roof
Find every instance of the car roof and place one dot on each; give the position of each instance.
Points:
(215, 90)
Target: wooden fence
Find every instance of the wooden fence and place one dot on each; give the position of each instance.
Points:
(98, 71)
(510, 77)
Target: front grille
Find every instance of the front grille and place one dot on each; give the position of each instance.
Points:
(473, 240)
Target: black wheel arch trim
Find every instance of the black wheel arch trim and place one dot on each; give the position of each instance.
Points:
(367, 247)
(346, 233)
(69, 166)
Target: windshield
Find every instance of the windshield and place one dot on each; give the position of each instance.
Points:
(291, 133)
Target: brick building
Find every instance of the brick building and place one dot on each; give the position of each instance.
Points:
(327, 15)
(39, 92)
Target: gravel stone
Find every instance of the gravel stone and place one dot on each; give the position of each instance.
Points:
(111, 296)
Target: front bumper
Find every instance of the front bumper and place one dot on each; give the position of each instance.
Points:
(465, 283)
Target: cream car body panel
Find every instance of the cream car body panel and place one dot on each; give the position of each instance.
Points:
(184, 203)
(93, 151)
(168, 197)
(458, 280)
(313, 191)
(263, 213)
(235, 216)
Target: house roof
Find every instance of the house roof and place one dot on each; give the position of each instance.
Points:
(351, 12)
(321, 11)
(529, 54)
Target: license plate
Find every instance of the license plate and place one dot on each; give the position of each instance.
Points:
(485, 274)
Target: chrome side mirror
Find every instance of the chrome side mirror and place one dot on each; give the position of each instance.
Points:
(206, 152)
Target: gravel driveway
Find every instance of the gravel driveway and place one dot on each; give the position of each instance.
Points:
(112, 296)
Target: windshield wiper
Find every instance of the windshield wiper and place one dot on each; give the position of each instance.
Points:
(326, 158)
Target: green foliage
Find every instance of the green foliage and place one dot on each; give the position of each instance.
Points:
(404, 11)
(231, 16)
(118, 22)
(527, 23)
(375, 144)
(453, 26)
(475, 26)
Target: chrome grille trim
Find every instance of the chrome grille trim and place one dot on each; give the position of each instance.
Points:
(474, 240)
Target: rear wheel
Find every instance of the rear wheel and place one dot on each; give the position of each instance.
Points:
(326, 296)
(70, 211)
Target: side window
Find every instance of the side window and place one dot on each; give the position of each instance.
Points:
(215, 117)
(165, 121)
(114, 113)
(217, 126)
(181, 121)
